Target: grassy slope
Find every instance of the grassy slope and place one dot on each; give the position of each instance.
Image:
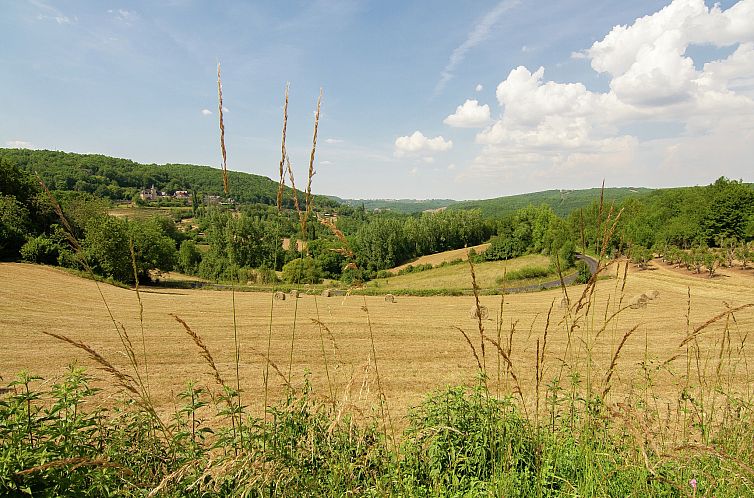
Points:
(457, 276)
(441, 257)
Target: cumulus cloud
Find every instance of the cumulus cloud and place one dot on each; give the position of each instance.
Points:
(479, 87)
(417, 143)
(552, 127)
(333, 141)
(206, 112)
(19, 144)
(469, 115)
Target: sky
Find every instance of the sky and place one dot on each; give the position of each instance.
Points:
(422, 99)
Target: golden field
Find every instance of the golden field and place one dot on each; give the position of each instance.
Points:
(417, 345)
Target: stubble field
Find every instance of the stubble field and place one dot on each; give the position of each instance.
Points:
(418, 347)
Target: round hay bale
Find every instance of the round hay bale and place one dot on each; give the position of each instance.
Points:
(389, 298)
(294, 293)
(639, 301)
(482, 312)
(327, 293)
(652, 294)
(280, 296)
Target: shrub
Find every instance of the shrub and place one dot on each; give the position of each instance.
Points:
(41, 249)
(526, 272)
(267, 276)
(502, 248)
(583, 273)
(415, 269)
(302, 271)
(189, 257)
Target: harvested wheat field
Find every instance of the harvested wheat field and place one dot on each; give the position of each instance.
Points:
(417, 345)
(444, 257)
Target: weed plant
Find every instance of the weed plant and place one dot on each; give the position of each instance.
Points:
(573, 433)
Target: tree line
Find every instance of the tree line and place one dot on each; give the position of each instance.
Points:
(243, 243)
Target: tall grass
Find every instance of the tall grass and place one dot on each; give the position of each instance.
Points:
(547, 423)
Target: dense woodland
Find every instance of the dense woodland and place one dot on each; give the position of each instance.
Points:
(701, 227)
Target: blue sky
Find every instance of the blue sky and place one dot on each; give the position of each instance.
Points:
(421, 99)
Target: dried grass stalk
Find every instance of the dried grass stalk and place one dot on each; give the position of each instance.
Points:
(283, 154)
(614, 361)
(471, 345)
(204, 350)
(274, 367)
(226, 187)
(124, 380)
(690, 337)
(309, 203)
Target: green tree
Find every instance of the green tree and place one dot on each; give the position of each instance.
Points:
(302, 271)
(189, 257)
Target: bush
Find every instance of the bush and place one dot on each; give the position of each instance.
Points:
(583, 273)
(302, 271)
(526, 272)
(189, 257)
(355, 276)
(415, 269)
(267, 276)
(502, 248)
(41, 249)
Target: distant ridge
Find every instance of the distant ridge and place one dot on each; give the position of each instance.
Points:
(561, 201)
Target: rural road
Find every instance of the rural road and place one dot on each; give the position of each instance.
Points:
(590, 262)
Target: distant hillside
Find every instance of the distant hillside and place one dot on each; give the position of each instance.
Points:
(406, 206)
(116, 178)
(561, 201)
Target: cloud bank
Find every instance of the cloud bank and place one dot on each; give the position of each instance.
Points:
(556, 129)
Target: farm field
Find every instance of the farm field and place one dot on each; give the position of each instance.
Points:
(458, 277)
(417, 347)
(442, 257)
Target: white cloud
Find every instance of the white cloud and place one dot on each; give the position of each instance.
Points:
(225, 109)
(550, 129)
(413, 171)
(479, 87)
(19, 144)
(206, 112)
(428, 160)
(469, 115)
(477, 35)
(125, 16)
(325, 163)
(451, 166)
(417, 143)
(333, 141)
(51, 13)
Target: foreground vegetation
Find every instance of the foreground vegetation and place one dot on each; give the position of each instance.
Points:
(540, 422)
(548, 421)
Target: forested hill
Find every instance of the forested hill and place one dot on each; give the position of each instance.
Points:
(405, 206)
(562, 202)
(116, 178)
